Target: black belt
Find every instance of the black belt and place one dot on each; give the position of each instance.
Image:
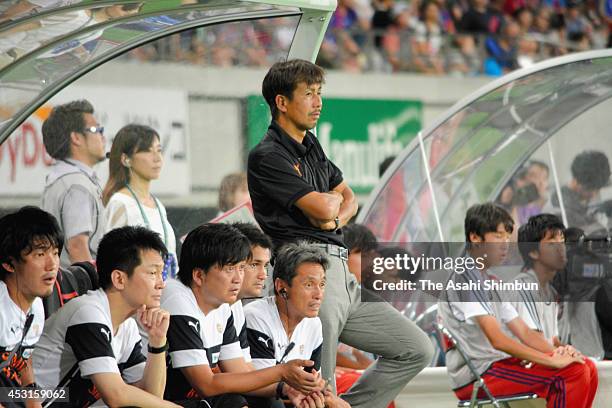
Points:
(334, 250)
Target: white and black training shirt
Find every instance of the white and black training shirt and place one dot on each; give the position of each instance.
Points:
(12, 323)
(268, 339)
(240, 325)
(78, 341)
(195, 338)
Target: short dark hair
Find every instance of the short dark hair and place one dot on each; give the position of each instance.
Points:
(22, 230)
(283, 77)
(483, 218)
(291, 256)
(358, 237)
(255, 235)
(63, 120)
(534, 230)
(209, 245)
(591, 169)
(122, 249)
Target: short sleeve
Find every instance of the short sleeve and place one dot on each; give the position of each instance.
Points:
(335, 175)
(316, 353)
(185, 333)
(90, 339)
(508, 312)
(240, 325)
(525, 310)
(115, 214)
(470, 310)
(262, 348)
(230, 348)
(186, 348)
(78, 212)
(278, 178)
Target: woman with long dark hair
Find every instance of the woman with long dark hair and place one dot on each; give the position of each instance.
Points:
(135, 160)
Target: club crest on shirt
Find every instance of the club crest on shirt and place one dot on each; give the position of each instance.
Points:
(296, 167)
(219, 327)
(301, 349)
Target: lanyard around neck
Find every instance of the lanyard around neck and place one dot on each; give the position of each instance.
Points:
(144, 216)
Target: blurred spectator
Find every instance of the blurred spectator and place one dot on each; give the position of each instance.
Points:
(551, 42)
(502, 50)
(533, 195)
(341, 44)
(524, 18)
(396, 42)
(528, 47)
(512, 7)
(382, 18)
(233, 191)
(479, 18)
(387, 36)
(446, 20)
(556, 5)
(577, 26)
(463, 57)
(606, 14)
(428, 40)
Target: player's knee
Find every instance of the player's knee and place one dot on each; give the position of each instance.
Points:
(420, 355)
(426, 351)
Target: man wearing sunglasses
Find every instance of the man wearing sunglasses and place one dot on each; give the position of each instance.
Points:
(30, 241)
(74, 138)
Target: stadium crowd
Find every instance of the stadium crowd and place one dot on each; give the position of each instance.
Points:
(453, 37)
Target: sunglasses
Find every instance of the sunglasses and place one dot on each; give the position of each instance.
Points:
(94, 129)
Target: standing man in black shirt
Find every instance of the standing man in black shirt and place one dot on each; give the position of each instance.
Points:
(299, 194)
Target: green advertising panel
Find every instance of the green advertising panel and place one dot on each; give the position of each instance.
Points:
(357, 134)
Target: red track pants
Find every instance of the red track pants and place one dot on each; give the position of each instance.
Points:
(571, 387)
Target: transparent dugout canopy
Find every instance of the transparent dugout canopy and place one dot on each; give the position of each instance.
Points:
(547, 113)
(45, 47)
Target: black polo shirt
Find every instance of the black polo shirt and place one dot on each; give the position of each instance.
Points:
(281, 171)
